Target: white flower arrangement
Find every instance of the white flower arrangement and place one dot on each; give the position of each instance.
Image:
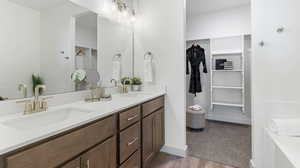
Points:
(78, 76)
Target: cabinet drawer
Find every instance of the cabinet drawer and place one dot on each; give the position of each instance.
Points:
(152, 106)
(129, 117)
(129, 141)
(55, 152)
(134, 161)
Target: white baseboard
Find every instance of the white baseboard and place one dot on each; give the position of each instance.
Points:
(251, 164)
(174, 150)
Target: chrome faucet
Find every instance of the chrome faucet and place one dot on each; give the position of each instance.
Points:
(36, 105)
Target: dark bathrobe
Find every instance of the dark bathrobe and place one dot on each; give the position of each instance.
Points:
(195, 56)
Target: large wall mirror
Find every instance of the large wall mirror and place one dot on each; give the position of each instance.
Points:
(58, 44)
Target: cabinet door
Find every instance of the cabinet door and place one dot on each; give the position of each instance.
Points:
(159, 130)
(148, 139)
(72, 164)
(101, 156)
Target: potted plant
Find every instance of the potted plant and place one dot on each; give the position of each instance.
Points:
(136, 84)
(79, 77)
(125, 81)
(37, 80)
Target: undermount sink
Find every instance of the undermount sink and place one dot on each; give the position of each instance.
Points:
(44, 119)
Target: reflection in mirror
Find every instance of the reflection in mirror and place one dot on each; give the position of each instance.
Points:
(58, 44)
(86, 53)
(116, 48)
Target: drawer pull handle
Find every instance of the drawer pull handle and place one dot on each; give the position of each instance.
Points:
(131, 118)
(132, 142)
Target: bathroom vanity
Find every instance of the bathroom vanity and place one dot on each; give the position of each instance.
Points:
(60, 66)
(128, 138)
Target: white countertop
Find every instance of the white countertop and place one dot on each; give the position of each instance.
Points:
(12, 138)
(289, 146)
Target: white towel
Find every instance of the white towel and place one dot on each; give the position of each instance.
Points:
(116, 70)
(148, 70)
(286, 127)
(196, 107)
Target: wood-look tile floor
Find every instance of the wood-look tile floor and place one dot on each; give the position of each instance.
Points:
(163, 160)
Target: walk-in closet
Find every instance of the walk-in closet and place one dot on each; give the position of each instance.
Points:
(226, 93)
(218, 93)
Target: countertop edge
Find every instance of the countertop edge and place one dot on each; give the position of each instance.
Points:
(13, 148)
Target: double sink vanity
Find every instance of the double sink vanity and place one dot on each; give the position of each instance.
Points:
(126, 132)
(64, 51)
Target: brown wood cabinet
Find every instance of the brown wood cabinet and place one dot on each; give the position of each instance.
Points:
(153, 131)
(148, 139)
(159, 130)
(55, 151)
(103, 155)
(134, 161)
(129, 117)
(128, 139)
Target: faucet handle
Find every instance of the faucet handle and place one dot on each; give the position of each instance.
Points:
(28, 106)
(44, 105)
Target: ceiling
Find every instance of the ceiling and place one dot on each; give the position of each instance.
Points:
(39, 4)
(88, 19)
(196, 7)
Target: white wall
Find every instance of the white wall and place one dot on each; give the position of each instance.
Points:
(93, 5)
(86, 36)
(275, 67)
(229, 22)
(57, 36)
(160, 28)
(19, 47)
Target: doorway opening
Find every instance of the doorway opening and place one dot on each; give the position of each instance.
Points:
(218, 81)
